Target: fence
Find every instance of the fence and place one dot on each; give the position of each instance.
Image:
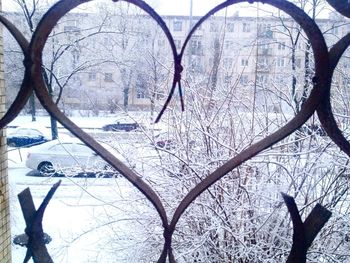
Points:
(318, 101)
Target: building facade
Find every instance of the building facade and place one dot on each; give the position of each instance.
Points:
(116, 60)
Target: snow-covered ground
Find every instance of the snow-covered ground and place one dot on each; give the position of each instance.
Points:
(90, 122)
(72, 211)
(77, 213)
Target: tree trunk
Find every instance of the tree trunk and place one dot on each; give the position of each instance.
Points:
(32, 107)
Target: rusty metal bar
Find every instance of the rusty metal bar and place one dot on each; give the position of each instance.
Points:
(304, 232)
(322, 85)
(36, 247)
(342, 6)
(319, 100)
(26, 88)
(37, 44)
(324, 111)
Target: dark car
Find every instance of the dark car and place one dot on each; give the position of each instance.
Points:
(26, 137)
(165, 144)
(121, 126)
(310, 129)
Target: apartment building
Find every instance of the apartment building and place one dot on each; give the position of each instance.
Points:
(108, 62)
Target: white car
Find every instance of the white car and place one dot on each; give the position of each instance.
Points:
(69, 157)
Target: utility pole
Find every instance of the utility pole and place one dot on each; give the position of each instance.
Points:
(190, 42)
(191, 14)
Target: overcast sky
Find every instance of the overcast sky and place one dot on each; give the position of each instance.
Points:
(165, 7)
(182, 7)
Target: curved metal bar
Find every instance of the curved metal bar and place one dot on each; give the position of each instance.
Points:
(36, 47)
(319, 99)
(176, 80)
(178, 60)
(18, 36)
(342, 6)
(149, 10)
(322, 85)
(177, 66)
(26, 87)
(202, 20)
(324, 111)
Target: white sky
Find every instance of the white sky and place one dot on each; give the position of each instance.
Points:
(162, 7)
(181, 7)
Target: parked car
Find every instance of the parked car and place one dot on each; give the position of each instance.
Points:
(121, 126)
(311, 129)
(25, 136)
(165, 144)
(69, 157)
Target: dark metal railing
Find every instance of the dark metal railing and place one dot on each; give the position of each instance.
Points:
(318, 101)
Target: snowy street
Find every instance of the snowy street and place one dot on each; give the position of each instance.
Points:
(86, 216)
(78, 206)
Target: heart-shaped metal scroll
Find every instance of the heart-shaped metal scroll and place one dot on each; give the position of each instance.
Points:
(36, 47)
(342, 6)
(320, 90)
(26, 87)
(324, 110)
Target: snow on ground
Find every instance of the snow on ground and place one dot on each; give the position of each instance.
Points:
(74, 209)
(89, 121)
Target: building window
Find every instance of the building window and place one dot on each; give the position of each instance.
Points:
(244, 62)
(261, 79)
(70, 29)
(230, 27)
(75, 55)
(92, 76)
(243, 79)
(262, 61)
(280, 79)
(196, 64)
(265, 49)
(108, 77)
(264, 30)
(140, 94)
(71, 25)
(281, 46)
(335, 30)
(246, 27)
(141, 88)
(72, 22)
(177, 26)
(280, 62)
(196, 47)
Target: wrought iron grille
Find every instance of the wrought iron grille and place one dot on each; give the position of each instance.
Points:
(318, 101)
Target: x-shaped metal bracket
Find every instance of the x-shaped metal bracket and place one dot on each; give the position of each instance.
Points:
(37, 240)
